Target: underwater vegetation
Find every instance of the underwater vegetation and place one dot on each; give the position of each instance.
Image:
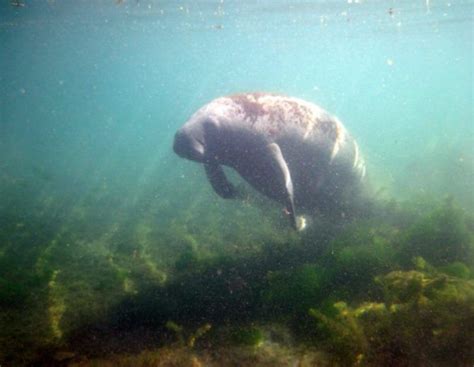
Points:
(396, 289)
(424, 318)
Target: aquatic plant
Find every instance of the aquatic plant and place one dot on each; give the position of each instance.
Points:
(189, 257)
(249, 335)
(456, 269)
(93, 286)
(355, 257)
(433, 308)
(187, 339)
(292, 292)
(443, 236)
(162, 357)
(426, 318)
(24, 318)
(341, 334)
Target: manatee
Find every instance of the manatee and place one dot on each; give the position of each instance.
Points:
(288, 149)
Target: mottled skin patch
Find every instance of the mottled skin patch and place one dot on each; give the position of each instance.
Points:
(250, 105)
(273, 114)
(322, 158)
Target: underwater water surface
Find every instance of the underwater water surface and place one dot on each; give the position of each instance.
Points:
(115, 251)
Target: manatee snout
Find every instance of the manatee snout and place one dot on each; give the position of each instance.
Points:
(188, 146)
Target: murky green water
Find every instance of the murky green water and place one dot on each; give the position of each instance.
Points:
(106, 236)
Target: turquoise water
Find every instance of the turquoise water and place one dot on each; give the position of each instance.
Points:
(95, 92)
(91, 94)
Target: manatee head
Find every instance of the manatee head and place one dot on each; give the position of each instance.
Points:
(189, 142)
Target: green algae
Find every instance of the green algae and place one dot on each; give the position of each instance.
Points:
(364, 294)
(456, 269)
(187, 339)
(249, 336)
(443, 236)
(289, 291)
(340, 335)
(426, 318)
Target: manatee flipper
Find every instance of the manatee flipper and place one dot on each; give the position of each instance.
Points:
(220, 184)
(282, 171)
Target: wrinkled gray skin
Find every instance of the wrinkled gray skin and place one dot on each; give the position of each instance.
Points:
(288, 149)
